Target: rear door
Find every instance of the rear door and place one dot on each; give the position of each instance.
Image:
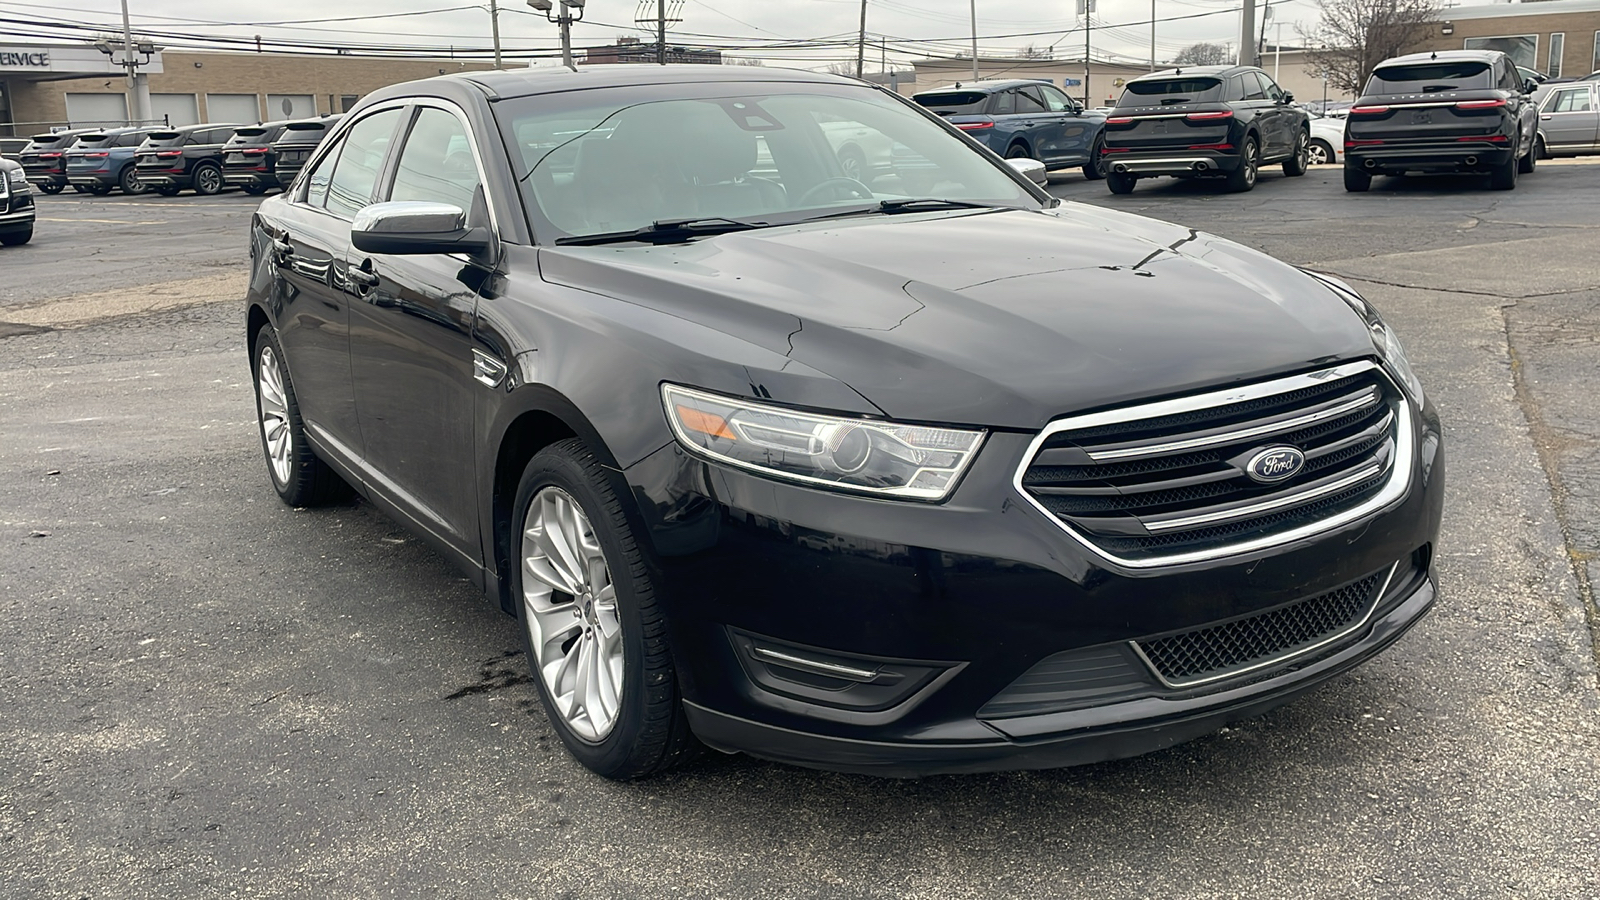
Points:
(1570, 118)
(411, 352)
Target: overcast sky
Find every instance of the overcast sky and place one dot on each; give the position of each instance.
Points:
(939, 26)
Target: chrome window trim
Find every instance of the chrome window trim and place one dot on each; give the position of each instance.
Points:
(1270, 661)
(1399, 473)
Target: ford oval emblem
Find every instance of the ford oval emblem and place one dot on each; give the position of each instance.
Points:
(1274, 464)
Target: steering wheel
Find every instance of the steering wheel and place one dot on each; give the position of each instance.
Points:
(856, 188)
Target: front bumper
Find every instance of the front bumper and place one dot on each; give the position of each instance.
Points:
(956, 602)
(16, 211)
(1455, 156)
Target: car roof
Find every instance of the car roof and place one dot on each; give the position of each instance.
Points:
(557, 79)
(983, 87)
(1443, 56)
(1184, 71)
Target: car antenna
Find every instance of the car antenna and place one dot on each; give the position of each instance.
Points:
(1434, 55)
(1177, 71)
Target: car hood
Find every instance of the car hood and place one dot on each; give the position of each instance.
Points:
(1005, 319)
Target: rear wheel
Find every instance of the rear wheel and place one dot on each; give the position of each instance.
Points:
(52, 188)
(1120, 182)
(1539, 148)
(1243, 178)
(129, 181)
(1094, 169)
(168, 190)
(1504, 176)
(16, 238)
(1017, 151)
(1526, 163)
(1319, 152)
(81, 189)
(207, 181)
(254, 190)
(98, 190)
(1355, 180)
(1297, 162)
(595, 637)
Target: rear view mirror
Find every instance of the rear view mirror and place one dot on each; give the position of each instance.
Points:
(412, 227)
(1288, 96)
(1530, 86)
(1031, 169)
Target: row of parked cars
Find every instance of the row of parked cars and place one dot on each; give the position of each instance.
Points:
(203, 158)
(1463, 111)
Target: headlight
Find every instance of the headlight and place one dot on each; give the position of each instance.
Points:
(1384, 341)
(862, 455)
(18, 178)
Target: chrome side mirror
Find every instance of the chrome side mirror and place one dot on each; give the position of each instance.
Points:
(1031, 169)
(415, 227)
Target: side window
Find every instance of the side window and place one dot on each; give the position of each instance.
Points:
(1234, 91)
(317, 189)
(1572, 101)
(1004, 104)
(130, 140)
(1253, 88)
(436, 162)
(1029, 101)
(1274, 92)
(356, 173)
(1055, 100)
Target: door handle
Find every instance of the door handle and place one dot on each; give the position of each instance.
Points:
(363, 277)
(1546, 117)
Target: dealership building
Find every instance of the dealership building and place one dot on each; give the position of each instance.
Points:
(51, 86)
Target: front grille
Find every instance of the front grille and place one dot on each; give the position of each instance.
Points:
(1168, 481)
(1217, 651)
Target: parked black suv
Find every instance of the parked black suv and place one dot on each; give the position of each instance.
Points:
(1204, 121)
(248, 158)
(1446, 111)
(813, 468)
(296, 144)
(16, 205)
(45, 159)
(186, 157)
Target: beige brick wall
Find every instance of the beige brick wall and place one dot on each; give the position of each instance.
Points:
(1577, 58)
(327, 78)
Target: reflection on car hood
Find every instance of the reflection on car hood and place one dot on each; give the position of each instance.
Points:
(1005, 319)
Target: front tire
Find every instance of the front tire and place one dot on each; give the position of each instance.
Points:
(1120, 182)
(1243, 178)
(1355, 180)
(1320, 153)
(595, 637)
(1296, 164)
(299, 477)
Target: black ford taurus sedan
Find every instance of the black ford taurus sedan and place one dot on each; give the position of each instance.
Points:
(776, 460)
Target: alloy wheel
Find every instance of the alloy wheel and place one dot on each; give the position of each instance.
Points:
(275, 428)
(1319, 154)
(1250, 164)
(208, 181)
(572, 618)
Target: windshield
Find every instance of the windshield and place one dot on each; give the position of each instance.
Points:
(1427, 78)
(1170, 90)
(604, 161)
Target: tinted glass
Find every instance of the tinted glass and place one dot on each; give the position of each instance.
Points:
(1003, 104)
(954, 103)
(165, 139)
(356, 172)
(304, 132)
(1171, 90)
(1057, 101)
(609, 160)
(317, 189)
(436, 162)
(51, 141)
(92, 140)
(131, 140)
(1030, 101)
(1273, 91)
(1254, 88)
(1431, 77)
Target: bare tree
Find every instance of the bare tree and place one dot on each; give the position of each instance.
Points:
(1353, 36)
(841, 68)
(745, 61)
(1204, 54)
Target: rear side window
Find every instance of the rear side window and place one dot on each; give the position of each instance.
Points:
(131, 140)
(1005, 104)
(954, 103)
(1570, 101)
(93, 140)
(1167, 91)
(1431, 77)
(304, 133)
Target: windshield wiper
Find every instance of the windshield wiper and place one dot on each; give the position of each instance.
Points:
(915, 204)
(665, 231)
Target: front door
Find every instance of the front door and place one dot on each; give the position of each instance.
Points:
(1570, 119)
(411, 342)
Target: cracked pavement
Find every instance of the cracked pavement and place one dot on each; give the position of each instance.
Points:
(209, 694)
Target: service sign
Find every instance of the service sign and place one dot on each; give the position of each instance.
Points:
(24, 58)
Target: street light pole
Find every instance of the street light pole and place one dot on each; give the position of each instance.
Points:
(565, 20)
(974, 40)
(494, 28)
(138, 100)
(861, 42)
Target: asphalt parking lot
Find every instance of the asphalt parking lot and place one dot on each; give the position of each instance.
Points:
(209, 694)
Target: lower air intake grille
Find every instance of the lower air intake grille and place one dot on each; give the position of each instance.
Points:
(1206, 654)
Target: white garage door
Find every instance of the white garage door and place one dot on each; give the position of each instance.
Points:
(237, 109)
(179, 109)
(97, 109)
(291, 106)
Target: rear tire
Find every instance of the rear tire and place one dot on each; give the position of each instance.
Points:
(129, 181)
(16, 238)
(1540, 150)
(638, 728)
(51, 189)
(207, 180)
(1296, 164)
(1243, 178)
(1018, 151)
(168, 190)
(1120, 182)
(1526, 163)
(1504, 176)
(299, 477)
(1355, 180)
(1094, 169)
(98, 190)
(1320, 153)
(254, 190)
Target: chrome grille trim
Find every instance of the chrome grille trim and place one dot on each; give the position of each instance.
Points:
(1394, 489)
(1266, 662)
(1372, 398)
(1244, 512)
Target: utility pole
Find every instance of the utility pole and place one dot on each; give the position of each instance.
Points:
(494, 28)
(1152, 35)
(1247, 34)
(1277, 52)
(861, 41)
(661, 32)
(974, 5)
(565, 19)
(138, 94)
(1088, 10)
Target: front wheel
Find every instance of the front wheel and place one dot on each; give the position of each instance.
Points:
(129, 181)
(300, 478)
(52, 188)
(1095, 168)
(1297, 162)
(595, 637)
(1243, 178)
(1120, 182)
(1320, 153)
(1355, 180)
